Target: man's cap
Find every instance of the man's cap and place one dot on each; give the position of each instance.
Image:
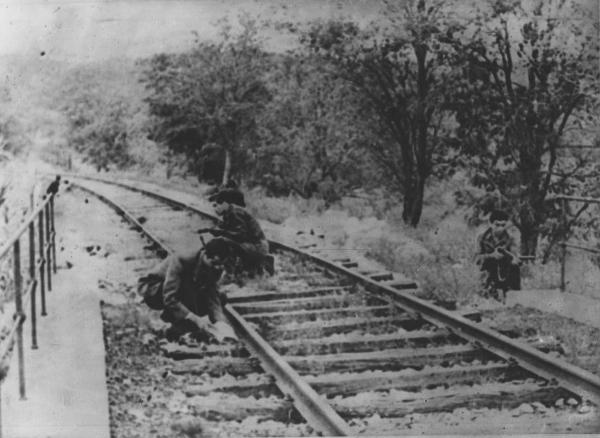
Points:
(231, 196)
(498, 215)
(218, 247)
(231, 184)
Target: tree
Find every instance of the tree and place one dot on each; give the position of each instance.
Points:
(99, 111)
(400, 70)
(12, 138)
(311, 131)
(531, 77)
(210, 96)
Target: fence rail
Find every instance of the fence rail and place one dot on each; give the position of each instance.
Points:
(39, 273)
(565, 199)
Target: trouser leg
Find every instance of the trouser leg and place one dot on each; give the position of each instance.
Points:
(514, 277)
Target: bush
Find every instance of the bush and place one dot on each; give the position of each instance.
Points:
(442, 265)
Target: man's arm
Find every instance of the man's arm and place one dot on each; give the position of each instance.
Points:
(215, 306)
(507, 250)
(484, 250)
(171, 288)
(229, 233)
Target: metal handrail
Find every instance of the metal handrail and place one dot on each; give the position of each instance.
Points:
(39, 273)
(565, 241)
(578, 199)
(10, 242)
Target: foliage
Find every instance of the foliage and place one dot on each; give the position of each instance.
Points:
(207, 100)
(12, 138)
(400, 71)
(531, 77)
(439, 260)
(311, 132)
(102, 115)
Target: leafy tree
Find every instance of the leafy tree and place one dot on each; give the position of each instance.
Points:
(103, 138)
(210, 96)
(102, 108)
(312, 132)
(531, 78)
(12, 137)
(400, 70)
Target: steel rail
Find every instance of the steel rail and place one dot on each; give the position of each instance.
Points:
(130, 217)
(25, 293)
(580, 381)
(317, 412)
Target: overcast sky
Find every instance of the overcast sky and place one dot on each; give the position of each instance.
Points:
(91, 30)
(84, 30)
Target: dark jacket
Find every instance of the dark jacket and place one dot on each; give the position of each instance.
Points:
(239, 225)
(497, 273)
(181, 284)
(488, 242)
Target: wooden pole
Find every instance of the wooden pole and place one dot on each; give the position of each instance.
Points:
(563, 253)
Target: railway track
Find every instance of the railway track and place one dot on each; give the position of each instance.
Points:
(325, 344)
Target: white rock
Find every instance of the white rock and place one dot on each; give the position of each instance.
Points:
(584, 409)
(539, 407)
(572, 402)
(526, 408)
(559, 403)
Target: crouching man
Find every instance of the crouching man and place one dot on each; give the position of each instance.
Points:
(242, 231)
(185, 288)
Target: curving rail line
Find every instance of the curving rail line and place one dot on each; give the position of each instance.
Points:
(326, 310)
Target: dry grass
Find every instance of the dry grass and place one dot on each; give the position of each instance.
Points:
(444, 272)
(580, 342)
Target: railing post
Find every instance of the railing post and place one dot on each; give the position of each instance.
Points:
(48, 248)
(563, 252)
(19, 315)
(563, 262)
(42, 260)
(53, 233)
(0, 410)
(33, 284)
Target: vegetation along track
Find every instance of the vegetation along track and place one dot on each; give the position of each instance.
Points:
(344, 349)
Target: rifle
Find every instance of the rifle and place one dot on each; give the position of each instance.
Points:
(521, 258)
(212, 231)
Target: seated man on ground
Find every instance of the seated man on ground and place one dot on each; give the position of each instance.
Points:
(185, 288)
(242, 230)
(499, 266)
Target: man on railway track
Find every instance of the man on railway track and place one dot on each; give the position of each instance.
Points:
(53, 186)
(185, 288)
(242, 231)
(499, 266)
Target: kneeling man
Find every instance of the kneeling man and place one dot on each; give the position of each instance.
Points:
(185, 288)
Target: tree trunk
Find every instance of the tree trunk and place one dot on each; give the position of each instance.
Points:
(529, 236)
(417, 207)
(407, 203)
(413, 201)
(227, 167)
